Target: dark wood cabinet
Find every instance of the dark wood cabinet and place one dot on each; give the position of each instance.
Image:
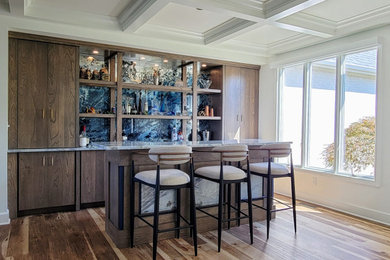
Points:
(46, 180)
(46, 94)
(32, 85)
(61, 95)
(92, 176)
(241, 95)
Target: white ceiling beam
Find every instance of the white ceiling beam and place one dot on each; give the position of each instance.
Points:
(228, 30)
(308, 24)
(138, 12)
(278, 9)
(18, 7)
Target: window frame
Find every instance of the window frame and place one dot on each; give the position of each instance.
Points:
(339, 111)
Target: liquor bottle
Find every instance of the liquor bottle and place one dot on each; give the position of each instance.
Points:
(84, 132)
(174, 134)
(146, 106)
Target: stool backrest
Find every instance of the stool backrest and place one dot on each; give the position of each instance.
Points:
(232, 152)
(277, 150)
(170, 154)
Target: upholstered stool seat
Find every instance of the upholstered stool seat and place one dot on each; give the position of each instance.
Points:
(229, 172)
(262, 168)
(168, 177)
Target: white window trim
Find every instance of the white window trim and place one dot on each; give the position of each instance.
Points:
(339, 115)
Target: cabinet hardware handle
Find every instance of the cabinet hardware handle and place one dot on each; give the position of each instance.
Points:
(43, 113)
(52, 161)
(43, 161)
(52, 114)
(241, 118)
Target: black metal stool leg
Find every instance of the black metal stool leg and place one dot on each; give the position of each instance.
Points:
(293, 201)
(249, 185)
(220, 215)
(229, 201)
(193, 217)
(269, 204)
(238, 196)
(132, 186)
(178, 198)
(155, 220)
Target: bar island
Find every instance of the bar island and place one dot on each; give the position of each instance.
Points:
(117, 163)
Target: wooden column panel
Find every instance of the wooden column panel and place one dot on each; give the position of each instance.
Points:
(61, 95)
(92, 176)
(250, 103)
(32, 85)
(13, 94)
(232, 103)
(12, 180)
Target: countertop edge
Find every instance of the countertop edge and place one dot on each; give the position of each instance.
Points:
(121, 146)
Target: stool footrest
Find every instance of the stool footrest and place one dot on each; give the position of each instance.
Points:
(141, 217)
(173, 229)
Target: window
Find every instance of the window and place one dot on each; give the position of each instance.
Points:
(327, 109)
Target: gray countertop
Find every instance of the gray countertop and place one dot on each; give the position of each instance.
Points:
(135, 145)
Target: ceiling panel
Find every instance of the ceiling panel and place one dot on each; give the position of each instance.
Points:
(336, 10)
(187, 18)
(265, 35)
(108, 8)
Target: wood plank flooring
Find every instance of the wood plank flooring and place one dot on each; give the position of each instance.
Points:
(322, 234)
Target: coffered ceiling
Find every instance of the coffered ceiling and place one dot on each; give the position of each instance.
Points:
(259, 27)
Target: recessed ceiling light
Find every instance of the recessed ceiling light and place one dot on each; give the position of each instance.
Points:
(95, 52)
(142, 58)
(165, 61)
(204, 65)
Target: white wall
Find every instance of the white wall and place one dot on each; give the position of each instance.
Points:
(361, 198)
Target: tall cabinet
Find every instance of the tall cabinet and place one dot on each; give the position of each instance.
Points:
(46, 88)
(241, 92)
(42, 111)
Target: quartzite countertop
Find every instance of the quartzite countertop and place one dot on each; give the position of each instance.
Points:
(136, 145)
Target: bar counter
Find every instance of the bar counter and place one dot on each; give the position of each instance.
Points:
(118, 157)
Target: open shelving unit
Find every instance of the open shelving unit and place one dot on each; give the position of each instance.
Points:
(122, 82)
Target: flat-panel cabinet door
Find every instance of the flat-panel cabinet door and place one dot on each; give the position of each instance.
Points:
(232, 103)
(249, 103)
(92, 176)
(61, 95)
(32, 181)
(46, 180)
(61, 179)
(32, 84)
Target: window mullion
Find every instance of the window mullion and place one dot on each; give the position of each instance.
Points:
(339, 114)
(279, 125)
(305, 114)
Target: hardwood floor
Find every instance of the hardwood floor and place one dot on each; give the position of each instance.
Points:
(322, 234)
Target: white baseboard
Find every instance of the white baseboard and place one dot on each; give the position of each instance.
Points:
(4, 218)
(361, 212)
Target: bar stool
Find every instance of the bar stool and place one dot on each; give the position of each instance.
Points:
(227, 175)
(271, 171)
(165, 179)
